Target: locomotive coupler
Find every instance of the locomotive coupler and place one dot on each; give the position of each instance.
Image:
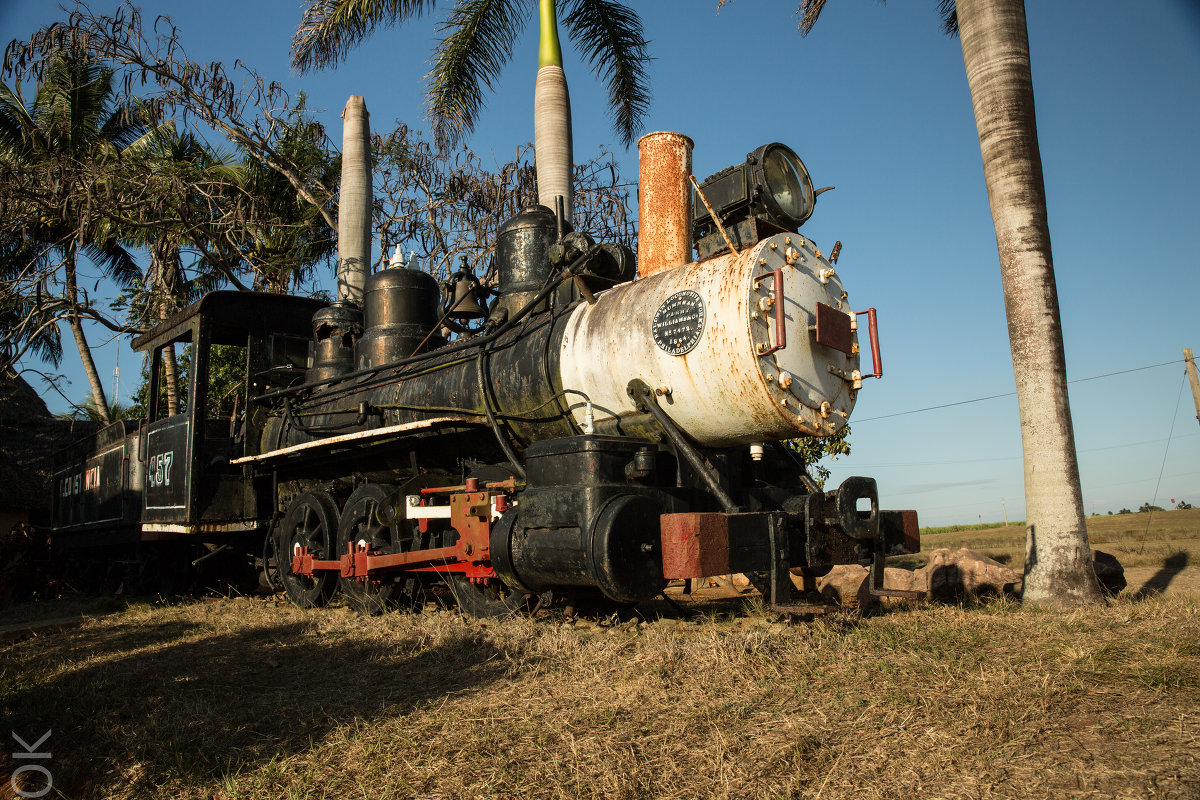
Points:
(831, 529)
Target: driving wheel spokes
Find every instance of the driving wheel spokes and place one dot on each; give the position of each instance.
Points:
(370, 519)
(311, 522)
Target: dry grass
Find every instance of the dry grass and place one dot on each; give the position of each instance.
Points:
(243, 699)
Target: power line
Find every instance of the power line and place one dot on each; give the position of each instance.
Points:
(906, 464)
(1012, 394)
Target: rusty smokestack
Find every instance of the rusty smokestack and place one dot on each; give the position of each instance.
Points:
(664, 202)
(354, 202)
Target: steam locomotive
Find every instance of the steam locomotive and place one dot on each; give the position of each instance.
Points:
(585, 431)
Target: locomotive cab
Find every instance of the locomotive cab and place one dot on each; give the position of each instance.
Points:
(233, 346)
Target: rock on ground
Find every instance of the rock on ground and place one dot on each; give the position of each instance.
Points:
(950, 576)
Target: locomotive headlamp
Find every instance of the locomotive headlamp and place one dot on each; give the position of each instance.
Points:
(772, 185)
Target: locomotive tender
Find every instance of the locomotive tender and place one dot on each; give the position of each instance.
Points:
(593, 433)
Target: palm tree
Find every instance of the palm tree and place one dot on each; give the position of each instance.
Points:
(62, 158)
(28, 326)
(478, 43)
(995, 45)
(181, 178)
(283, 238)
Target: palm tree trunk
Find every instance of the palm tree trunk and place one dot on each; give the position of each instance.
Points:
(552, 118)
(164, 271)
(995, 43)
(354, 202)
(171, 379)
(85, 352)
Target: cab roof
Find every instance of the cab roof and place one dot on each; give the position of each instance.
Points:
(232, 316)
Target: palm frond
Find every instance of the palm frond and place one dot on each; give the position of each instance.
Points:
(125, 124)
(948, 11)
(479, 40)
(118, 264)
(809, 11)
(330, 29)
(609, 36)
(26, 324)
(15, 122)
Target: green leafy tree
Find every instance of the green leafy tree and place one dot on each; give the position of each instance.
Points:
(184, 185)
(283, 239)
(61, 167)
(813, 451)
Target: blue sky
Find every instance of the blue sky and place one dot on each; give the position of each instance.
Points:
(876, 103)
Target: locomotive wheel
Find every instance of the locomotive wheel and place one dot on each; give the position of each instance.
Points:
(487, 600)
(311, 521)
(363, 521)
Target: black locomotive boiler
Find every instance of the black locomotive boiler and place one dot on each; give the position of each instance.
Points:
(592, 433)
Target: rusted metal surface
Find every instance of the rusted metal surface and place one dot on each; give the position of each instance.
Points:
(664, 202)
(873, 332)
(471, 515)
(766, 304)
(694, 545)
(900, 532)
(833, 329)
(737, 385)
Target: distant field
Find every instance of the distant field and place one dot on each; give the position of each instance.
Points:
(1160, 551)
(1137, 540)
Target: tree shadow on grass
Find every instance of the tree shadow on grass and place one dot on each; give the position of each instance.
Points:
(198, 709)
(1159, 581)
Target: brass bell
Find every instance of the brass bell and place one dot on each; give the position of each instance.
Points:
(465, 292)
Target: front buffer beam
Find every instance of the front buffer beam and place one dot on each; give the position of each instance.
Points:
(830, 530)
